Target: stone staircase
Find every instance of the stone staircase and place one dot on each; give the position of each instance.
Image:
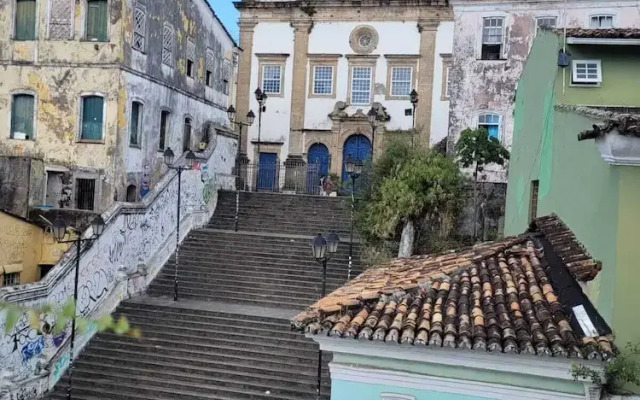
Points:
(228, 337)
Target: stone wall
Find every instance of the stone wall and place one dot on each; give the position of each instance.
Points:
(137, 241)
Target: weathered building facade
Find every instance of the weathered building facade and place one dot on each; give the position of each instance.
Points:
(491, 43)
(325, 66)
(98, 89)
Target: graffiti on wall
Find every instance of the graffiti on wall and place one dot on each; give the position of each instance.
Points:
(132, 237)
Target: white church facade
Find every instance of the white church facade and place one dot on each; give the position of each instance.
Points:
(325, 67)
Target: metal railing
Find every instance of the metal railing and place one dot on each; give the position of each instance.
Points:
(277, 177)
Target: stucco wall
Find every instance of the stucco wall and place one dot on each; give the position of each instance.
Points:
(546, 148)
(26, 244)
(346, 390)
(440, 107)
(489, 86)
(272, 38)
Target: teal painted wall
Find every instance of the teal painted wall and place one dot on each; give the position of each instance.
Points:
(346, 390)
(575, 182)
(465, 374)
(620, 65)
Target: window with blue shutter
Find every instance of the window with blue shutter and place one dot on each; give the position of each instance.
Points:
(25, 20)
(92, 118)
(96, 24)
(22, 106)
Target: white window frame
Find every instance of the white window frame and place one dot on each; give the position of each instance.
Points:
(144, 33)
(502, 43)
(35, 112)
(587, 81)
(614, 22)
(392, 68)
(542, 17)
(81, 97)
(263, 76)
(331, 80)
(352, 81)
(72, 20)
(491, 113)
(85, 13)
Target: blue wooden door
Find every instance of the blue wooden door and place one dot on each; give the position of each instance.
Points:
(267, 168)
(317, 167)
(359, 148)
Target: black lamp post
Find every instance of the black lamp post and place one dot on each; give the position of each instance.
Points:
(372, 115)
(261, 97)
(323, 249)
(414, 103)
(354, 169)
(192, 161)
(59, 230)
(250, 118)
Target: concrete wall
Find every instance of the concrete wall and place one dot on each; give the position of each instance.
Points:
(598, 201)
(26, 245)
(619, 67)
(489, 86)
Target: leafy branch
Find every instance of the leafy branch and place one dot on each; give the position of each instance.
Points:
(622, 370)
(62, 316)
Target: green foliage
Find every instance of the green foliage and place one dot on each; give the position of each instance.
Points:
(622, 370)
(62, 317)
(475, 147)
(409, 184)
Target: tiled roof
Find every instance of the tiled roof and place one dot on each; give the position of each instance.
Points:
(495, 296)
(613, 33)
(624, 124)
(565, 244)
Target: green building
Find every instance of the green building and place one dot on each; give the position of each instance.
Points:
(576, 153)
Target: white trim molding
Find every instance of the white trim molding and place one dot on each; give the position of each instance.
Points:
(414, 381)
(617, 149)
(542, 367)
(604, 41)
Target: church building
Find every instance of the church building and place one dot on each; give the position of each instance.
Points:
(338, 78)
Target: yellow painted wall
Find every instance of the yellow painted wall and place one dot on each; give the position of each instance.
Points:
(26, 244)
(626, 294)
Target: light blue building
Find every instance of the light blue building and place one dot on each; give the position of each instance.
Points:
(499, 321)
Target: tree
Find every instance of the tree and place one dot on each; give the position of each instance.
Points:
(410, 185)
(477, 149)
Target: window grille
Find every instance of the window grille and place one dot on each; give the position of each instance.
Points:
(139, 28)
(61, 19)
(271, 78)
(85, 194)
(167, 44)
(401, 81)
(322, 79)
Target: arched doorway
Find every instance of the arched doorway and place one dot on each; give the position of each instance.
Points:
(132, 193)
(317, 166)
(357, 146)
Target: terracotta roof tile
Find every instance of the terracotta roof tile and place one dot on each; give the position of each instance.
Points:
(613, 33)
(495, 296)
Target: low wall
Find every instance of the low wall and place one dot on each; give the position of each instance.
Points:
(137, 241)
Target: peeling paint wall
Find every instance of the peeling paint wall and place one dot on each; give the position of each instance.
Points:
(58, 72)
(479, 86)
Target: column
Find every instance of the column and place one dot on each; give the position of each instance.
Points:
(244, 93)
(427, 29)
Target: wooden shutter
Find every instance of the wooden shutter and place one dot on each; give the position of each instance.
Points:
(97, 20)
(22, 117)
(92, 114)
(25, 20)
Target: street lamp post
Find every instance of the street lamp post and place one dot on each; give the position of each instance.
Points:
(354, 169)
(372, 115)
(192, 161)
(250, 118)
(261, 97)
(414, 103)
(323, 249)
(59, 230)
